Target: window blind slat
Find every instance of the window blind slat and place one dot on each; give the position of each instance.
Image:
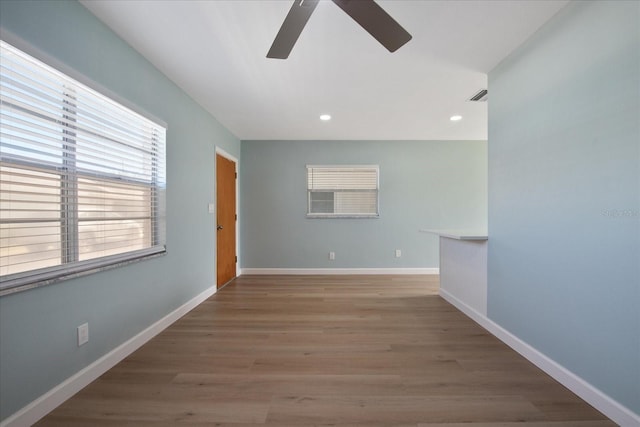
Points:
(26, 104)
(24, 83)
(104, 133)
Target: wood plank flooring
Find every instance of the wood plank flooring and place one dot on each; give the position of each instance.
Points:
(325, 350)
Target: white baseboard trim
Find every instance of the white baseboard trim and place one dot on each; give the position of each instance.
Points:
(337, 271)
(619, 413)
(46, 403)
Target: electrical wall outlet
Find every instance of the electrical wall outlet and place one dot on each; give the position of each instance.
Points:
(398, 253)
(332, 256)
(83, 334)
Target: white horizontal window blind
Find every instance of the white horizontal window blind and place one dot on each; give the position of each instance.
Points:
(342, 191)
(82, 178)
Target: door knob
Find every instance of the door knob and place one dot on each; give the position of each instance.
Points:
(219, 227)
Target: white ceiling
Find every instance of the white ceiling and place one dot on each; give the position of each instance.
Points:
(216, 52)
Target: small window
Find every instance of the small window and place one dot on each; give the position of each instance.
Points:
(82, 178)
(342, 191)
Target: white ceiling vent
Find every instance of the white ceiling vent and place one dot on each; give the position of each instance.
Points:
(481, 96)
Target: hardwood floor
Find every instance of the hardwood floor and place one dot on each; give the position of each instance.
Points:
(325, 350)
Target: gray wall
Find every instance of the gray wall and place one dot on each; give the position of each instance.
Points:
(564, 194)
(38, 327)
(423, 184)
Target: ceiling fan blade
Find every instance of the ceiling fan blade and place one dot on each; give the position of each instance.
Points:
(291, 28)
(376, 21)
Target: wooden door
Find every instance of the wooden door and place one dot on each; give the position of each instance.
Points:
(226, 218)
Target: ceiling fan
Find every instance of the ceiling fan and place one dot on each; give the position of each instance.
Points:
(367, 13)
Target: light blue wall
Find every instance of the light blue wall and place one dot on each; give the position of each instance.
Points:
(38, 327)
(423, 184)
(564, 194)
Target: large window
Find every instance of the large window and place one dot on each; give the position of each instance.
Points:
(82, 178)
(342, 191)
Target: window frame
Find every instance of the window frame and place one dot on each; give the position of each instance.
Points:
(334, 215)
(71, 266)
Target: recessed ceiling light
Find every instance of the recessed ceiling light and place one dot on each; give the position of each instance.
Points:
(455, 118)
(325, 117)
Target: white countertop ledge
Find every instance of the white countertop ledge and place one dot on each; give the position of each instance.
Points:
(459, 234)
